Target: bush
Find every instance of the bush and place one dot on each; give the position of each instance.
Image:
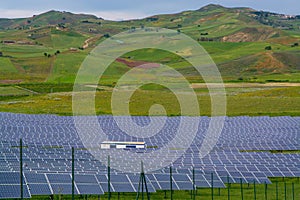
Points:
(268, 48)
(295, 44)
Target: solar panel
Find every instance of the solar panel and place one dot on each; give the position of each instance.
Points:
(80, 178)
(165, 185)
(62, 188)
(13, 191)
(201, 183)
(123, 187)
(104, 187)
(41, 132)
(184, 185)
(101, 178)
(39, 189)
(10, 178)
(35, 178)
(90, 189)
(135, 180)
(59, 178)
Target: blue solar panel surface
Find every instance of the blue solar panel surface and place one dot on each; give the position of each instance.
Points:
(49, 138)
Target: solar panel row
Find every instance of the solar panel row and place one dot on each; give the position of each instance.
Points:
(48, 140)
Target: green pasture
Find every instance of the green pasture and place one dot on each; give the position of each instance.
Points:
(289, 77)
(7, 66)
(24, 51)
(240, 101)
(231, 58)
(66, 66)
(62, 40)
(13, 91)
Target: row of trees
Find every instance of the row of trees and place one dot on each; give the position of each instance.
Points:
(49, 55)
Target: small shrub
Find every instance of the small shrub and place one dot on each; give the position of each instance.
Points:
(268, 48)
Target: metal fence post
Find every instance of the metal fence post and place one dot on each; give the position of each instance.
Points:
(212, 186)
(73, 178)
(21, 169)
(293, 191)
(228, 188)
(108, 176)
(284, 190)
(276, 190)
(194, 186)
(171, 186)
(242, 193)
(254, 189)
(266, 191)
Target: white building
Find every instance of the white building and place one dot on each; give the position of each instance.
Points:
(122, 145)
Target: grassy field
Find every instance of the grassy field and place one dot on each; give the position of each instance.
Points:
(65, 40)
(13, 91)
(257, 101)
(65, 67)
(270, 192)
(7, 66)
(248, 60)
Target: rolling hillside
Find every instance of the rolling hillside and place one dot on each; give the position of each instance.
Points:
(246, 44)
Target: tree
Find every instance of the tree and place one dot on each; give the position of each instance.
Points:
(1, 54)
(295, 44)
(45, 54)
(57, 52)
(106, 35)
(268, 48)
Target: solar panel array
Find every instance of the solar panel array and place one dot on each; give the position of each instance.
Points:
(47, 157)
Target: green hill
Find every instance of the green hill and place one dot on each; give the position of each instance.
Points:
(244, 43)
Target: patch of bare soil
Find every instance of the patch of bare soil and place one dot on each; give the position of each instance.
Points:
(250, 35)
(133, 63)
(10, 81)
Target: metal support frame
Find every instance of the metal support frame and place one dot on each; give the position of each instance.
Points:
(142, 183)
